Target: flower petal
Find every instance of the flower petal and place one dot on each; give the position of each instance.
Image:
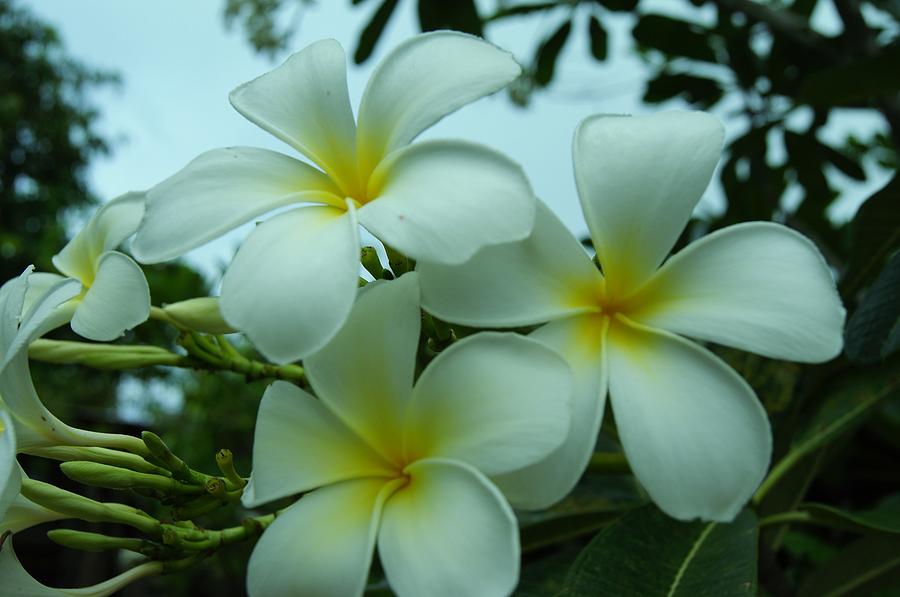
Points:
(757, 286)
(580, 340)
(496, 401)
(441, 201)
(365, 373)
(323, 544)
(110, 225)
(220, 190)
(304, 102)
(424, 79)
(23, 514)
(639, 178)
(694, 433)
(292, 283)
(300, 445)
(544, 277)
(118, 300)
(10, 480)
(449, 532)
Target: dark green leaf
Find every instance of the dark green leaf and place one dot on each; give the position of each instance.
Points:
(697, 90)
(842, 162)
(647, 553)
(854, 82)
(618, 5)
(865, 566)
(548, 53)
(884, 518)
(875, 234)
(372, 32)
(519, 10)
(599, 39)
(459, 15)
(873, 333)
(674, 37)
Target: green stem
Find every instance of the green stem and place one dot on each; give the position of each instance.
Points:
(786, 517)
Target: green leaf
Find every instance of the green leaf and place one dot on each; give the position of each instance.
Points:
(618, 5)
(548, 52)
(873, 333)
(865, 566)
(884, 518)
(875, 234)
(697, 90)
(372, 32)
(599, 39)
(519, 10)
(674, 37)
(854, 82)
(459, 15)
(647, 553)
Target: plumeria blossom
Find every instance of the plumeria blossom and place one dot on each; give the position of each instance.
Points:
(293, 281)
(20, 325)
(114, 295)
(407, 466)
(692, 429)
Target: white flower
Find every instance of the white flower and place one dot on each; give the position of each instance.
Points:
(692, 429)
(293, 282)
(406, 466)
(114, 295)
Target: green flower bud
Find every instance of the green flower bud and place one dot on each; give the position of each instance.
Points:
(101, 356)
(94, 541)
(199, 314)
(112, 477)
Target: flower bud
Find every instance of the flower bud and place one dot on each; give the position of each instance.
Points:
(113, 477)
(100, 356)
(199, 314)
(94, 541)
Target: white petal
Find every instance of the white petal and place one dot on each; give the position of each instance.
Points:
(10, 480)
(757, 286)
(581, 341)
(544, 277)
(497, 401)
(304, 102)
(421, 81)
(639, 178)
(365, 373)
(293, 282)
(299, 445)
(441, 201)
(694, 433)
(449, 532)
(220, 190)
(118, 300)
(23, 514)
(323, 544)
(110, 225)
(38, 284)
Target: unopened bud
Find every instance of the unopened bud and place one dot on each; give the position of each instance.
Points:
(113, 477)
(100, 356)
(94, 541)
(199, 314)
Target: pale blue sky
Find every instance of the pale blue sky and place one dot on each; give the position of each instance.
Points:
(178, 64)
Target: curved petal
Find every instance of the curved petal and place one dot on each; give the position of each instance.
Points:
(365, 373)
(424, 79)
(220, 190)
(639, 178)
(757, 286)
(292, 283)
(38, 284)
(10, 480)
(23, 514)
(300, 445)
(694, 433)
(580, 340)
(496, 401)
(547, 276)
(441, 201)
(304, 102)
(110, 225)
(118, 300)
(449, 532)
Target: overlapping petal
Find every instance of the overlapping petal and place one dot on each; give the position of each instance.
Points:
(544, 277)
(220, 190)
(365, 373)
(23, 514)
(497, 401)
(581, 341)
(421, 81)
(323, 544)
(10, 481)
(118, 300)
(694, 433)
(639, 178)
(300, 445)
(441, 201)
(757, 286)
(293, 281)
(449, 532)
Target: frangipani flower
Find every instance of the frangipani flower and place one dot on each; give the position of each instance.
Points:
(406, 466)
(692, 429)
(114, 295)
(293, 282)
(10, 481)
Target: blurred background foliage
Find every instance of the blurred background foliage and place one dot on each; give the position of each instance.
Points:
(778, 80)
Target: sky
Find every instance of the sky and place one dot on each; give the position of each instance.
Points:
(178, 63)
